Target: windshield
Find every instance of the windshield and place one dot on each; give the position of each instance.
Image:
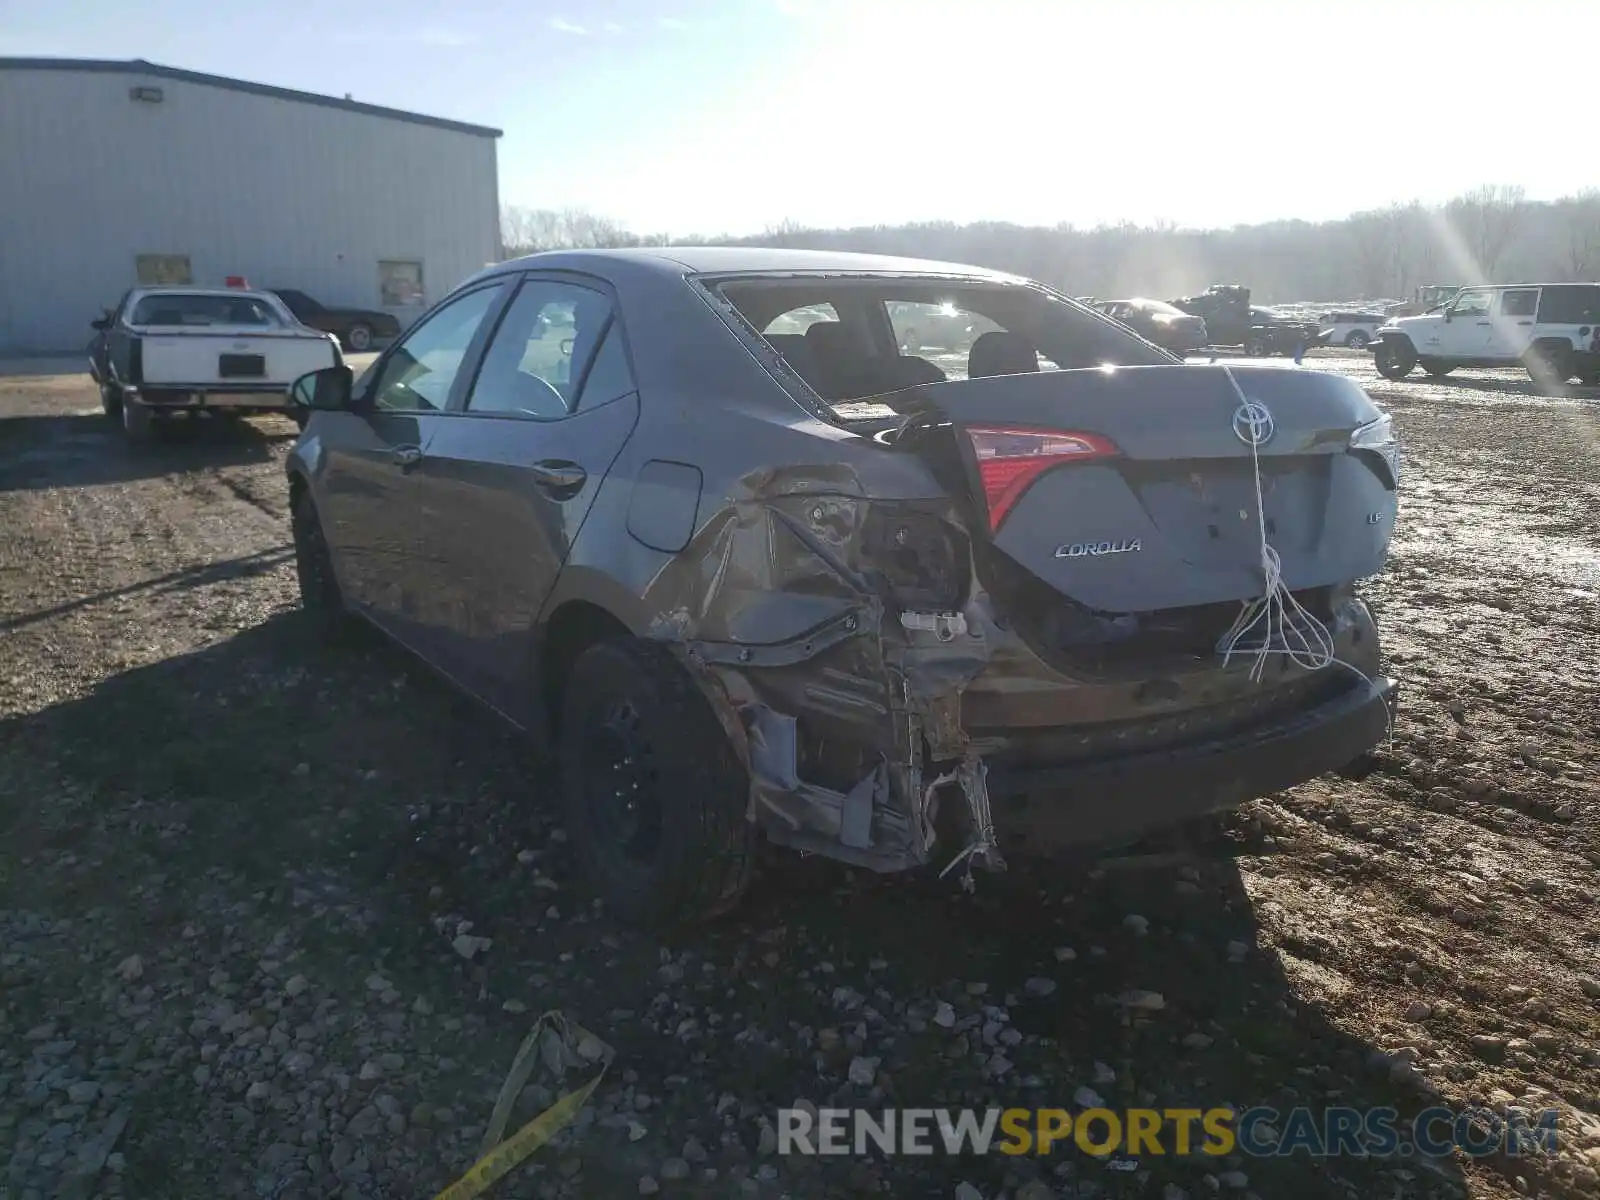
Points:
(850, 338)
(202, 309)
(1159, 308)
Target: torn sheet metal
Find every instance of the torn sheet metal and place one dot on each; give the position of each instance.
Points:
(834, 690)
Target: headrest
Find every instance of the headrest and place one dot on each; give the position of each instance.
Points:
(1001, 353)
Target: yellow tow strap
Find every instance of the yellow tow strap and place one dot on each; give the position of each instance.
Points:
(498, 1158)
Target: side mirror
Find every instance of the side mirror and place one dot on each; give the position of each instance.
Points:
(100, 323)
(327, 390)
(1448, 313)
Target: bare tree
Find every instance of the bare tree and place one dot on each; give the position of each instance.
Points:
(1486, 220)
(1579, 218)
(1489, 233)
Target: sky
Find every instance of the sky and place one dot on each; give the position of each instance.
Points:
(729, 116)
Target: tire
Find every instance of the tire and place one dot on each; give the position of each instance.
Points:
(320, 597)
(111, 402)
(1435, 368)
(1394, 360)
(1550, 367)
(1254, 347)
(1358, 339)
(655, 797)
(358, 338)
(138, 422)
(1590, 380)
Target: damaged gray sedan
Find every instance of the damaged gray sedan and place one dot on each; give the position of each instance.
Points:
(694, 521)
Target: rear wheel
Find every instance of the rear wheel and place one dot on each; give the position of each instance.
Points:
(1437, 368)
(1358, 339)
(138, 422)
(655, 796)
(111, 401)
(1394, 360)
(359, 338)
(1550, 366)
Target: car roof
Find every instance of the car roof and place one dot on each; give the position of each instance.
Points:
(180, 290)
(735, 260)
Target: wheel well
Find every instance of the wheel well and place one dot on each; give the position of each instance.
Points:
(571, 630)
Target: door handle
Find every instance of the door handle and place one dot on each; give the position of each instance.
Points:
(1485, 322)
(406, 456)
(560, 478)
(1524, 322)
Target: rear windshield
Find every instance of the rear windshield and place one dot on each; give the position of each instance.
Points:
(863, 336)
(179, 309)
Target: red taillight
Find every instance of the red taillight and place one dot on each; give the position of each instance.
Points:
(1009, 460)
(236, 281)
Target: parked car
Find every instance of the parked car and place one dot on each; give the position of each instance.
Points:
(1225, 308)
(1425, 299)
(1353, 329)
(174, 352)
(1157, 321)
(1550, 329)
(853, 606)
(358, 329)
(1273, 333)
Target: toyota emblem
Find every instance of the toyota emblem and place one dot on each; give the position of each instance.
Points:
(1252, 423)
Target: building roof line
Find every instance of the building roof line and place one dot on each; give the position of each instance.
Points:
(138, 66)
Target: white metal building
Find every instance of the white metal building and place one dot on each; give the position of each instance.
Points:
(119, 173)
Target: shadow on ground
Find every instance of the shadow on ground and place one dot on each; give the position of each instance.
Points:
(272, 758)
(87, 450)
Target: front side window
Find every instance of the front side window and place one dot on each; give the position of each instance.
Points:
(418, 374)
(1472, 304)
(533, 366)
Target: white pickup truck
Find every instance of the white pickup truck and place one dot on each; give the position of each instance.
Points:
(167, 352)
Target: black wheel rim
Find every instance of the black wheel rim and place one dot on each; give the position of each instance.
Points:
(622, 784)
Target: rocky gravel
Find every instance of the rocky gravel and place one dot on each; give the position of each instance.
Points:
(274, 920)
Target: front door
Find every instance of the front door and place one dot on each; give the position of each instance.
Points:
(1465, 334)
(369, 457)
(1511, 328)
(508, 481)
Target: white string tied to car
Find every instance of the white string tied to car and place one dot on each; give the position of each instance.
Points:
(1284, 625)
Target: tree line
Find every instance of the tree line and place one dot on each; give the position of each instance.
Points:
(1492, 234)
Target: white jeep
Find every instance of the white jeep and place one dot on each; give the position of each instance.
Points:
(1552, 329)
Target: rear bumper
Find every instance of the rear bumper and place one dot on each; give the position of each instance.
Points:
(177, 396)
(1124, 797)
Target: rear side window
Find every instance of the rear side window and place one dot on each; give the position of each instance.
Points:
(1520, 303)
(798, 320)
(1570, 305)
(202, 309)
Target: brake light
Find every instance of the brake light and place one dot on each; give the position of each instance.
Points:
(1009, 460)
(235, 281)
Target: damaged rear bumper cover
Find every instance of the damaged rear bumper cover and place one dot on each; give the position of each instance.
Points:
(1112, 799)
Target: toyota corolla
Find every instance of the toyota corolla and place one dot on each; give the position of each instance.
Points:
(693, 520)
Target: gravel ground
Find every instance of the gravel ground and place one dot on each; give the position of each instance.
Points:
(240, 883)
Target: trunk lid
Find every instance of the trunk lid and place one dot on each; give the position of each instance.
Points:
(1162, 512)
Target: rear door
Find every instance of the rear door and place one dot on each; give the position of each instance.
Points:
(369, 457)
(1511, 323)
(508, 480)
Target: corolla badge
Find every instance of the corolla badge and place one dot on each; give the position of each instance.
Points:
(1252, 423)
(1095, 549)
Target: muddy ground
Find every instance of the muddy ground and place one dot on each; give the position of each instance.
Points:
(232, 867)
